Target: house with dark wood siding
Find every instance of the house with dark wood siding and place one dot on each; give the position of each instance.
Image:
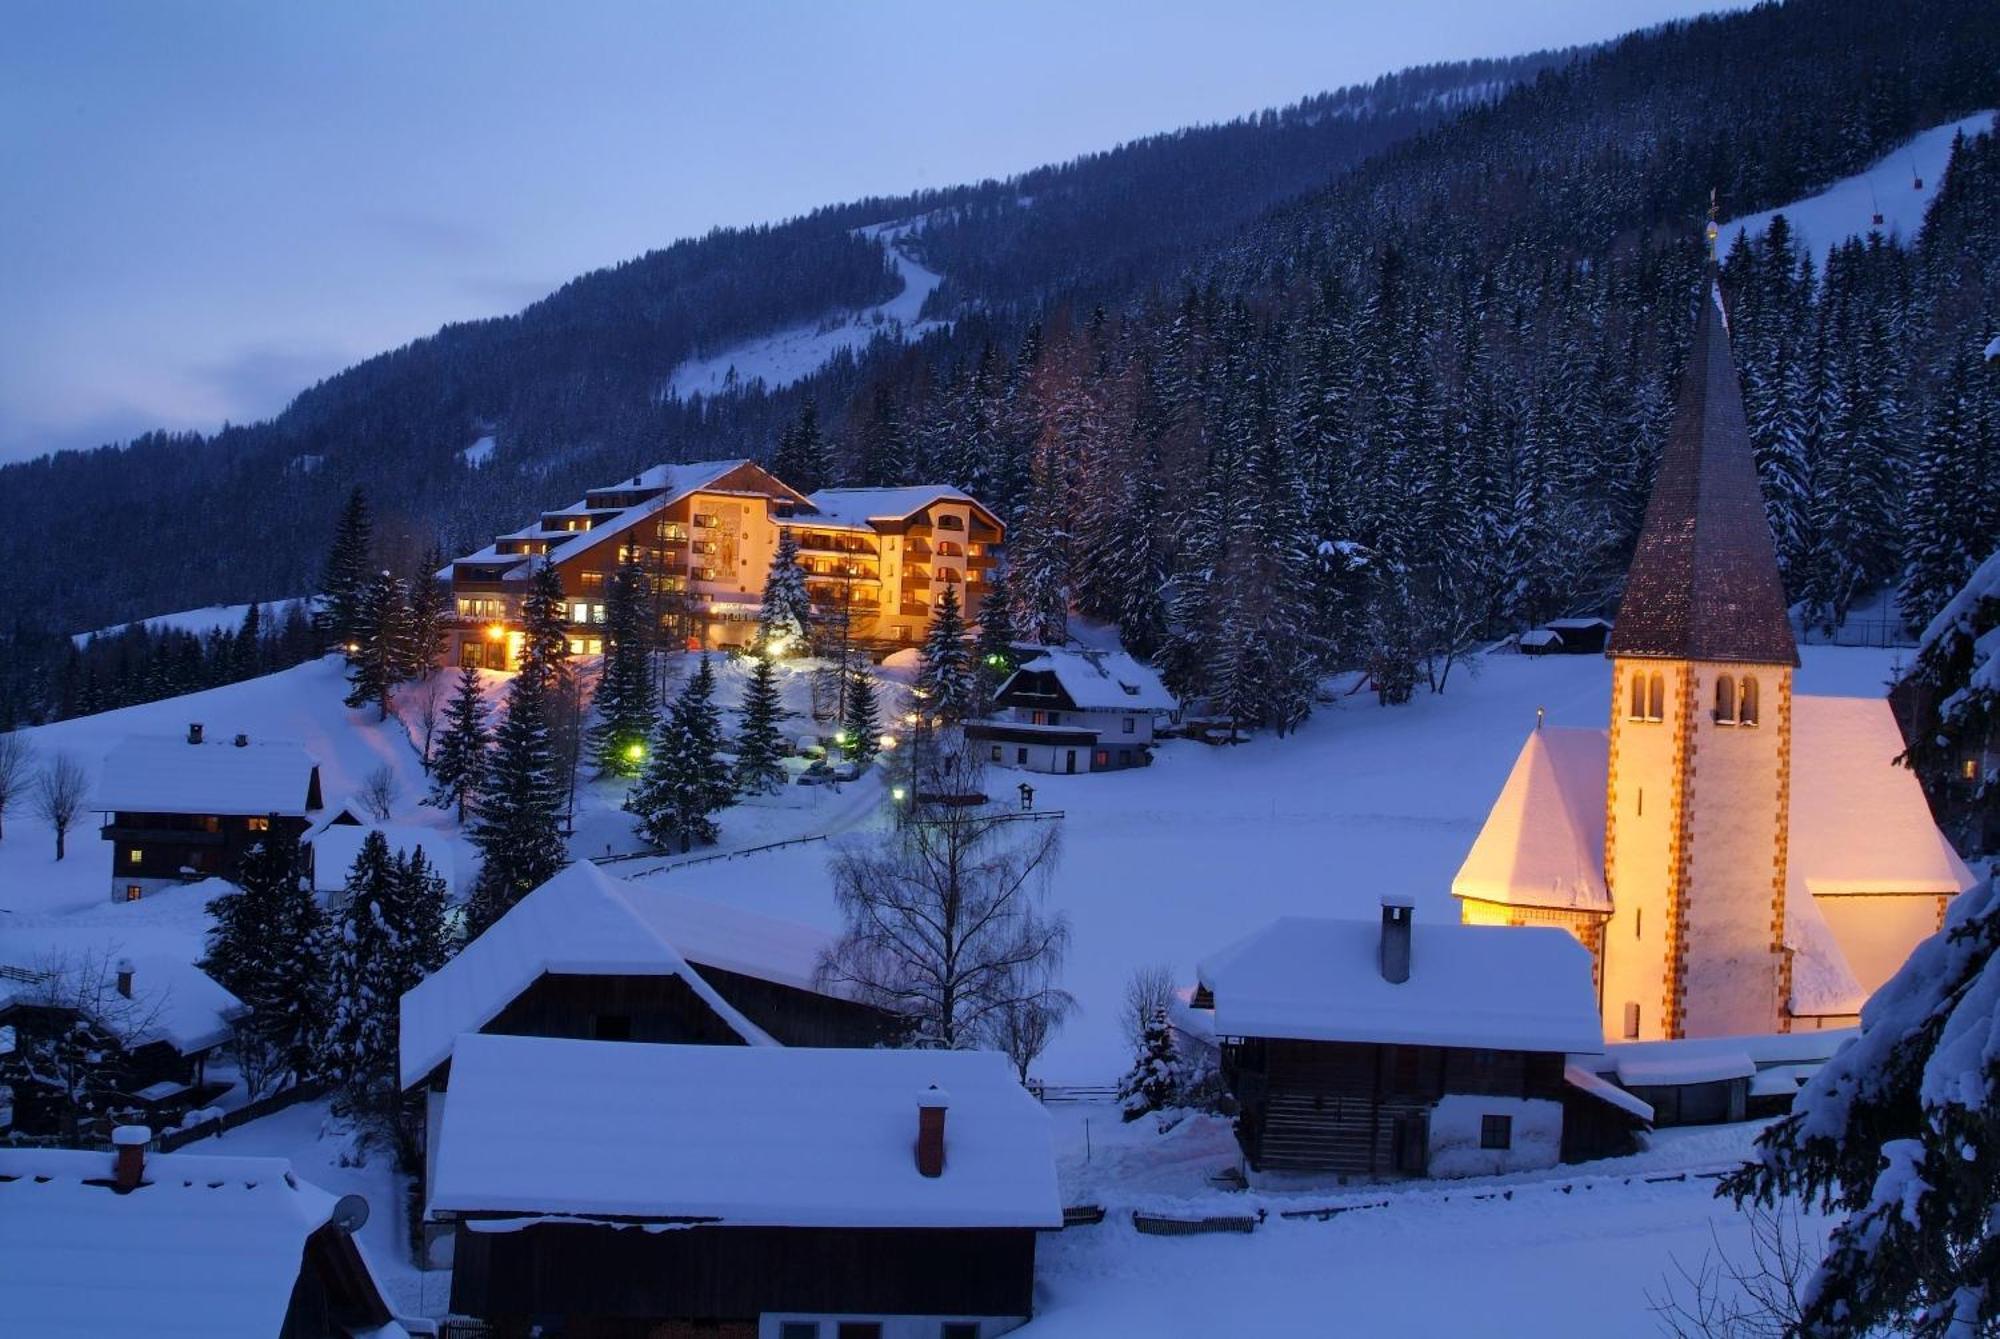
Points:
(180, 810)
(591, 957)
(1405, 1049)
(601, 1189)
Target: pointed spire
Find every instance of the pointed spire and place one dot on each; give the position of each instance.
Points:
(1704, 580)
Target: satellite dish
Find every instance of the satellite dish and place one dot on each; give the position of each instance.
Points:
(350, 1213)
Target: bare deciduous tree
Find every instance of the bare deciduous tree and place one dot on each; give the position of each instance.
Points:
(378, 793)
(70, 1043)
(17, 771)
(60, 793)
(1729, 1296)
(1148, 993)
(944, 923)
(426, 701)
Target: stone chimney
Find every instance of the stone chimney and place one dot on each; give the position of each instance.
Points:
(130, 1142)
(931, 1106)
(194, 733)
(1395, 954)
(124, 970)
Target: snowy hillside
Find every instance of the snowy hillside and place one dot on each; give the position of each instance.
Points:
(790, 355)
(214, 618)
(1848, 207)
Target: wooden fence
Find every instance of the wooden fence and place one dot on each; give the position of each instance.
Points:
(243, 1115)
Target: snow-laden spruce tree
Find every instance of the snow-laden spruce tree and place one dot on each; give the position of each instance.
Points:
(625, 703)
(460, 760)
(861, 721)
(366, 982)
(430, 606)
(945, 677)
(1956, 689)
(1154, 1081)
(784, 622)
(685, 783)
(945, 923)
(518, 826)
(1899, 1135)
(378, 655)
(347, 570)
(1947, 524)
(760, 744)
(267, 946)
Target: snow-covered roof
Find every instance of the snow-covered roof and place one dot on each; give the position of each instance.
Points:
(854, 508)
(172, 1000)
(1541, 637)
(1577, 1076)
(1805, 1046)
(206, 1246)
(166, 774)
(677, 478)
(581, 922)
(748, 1136)
(1577, 624)
(1823, 982)
(336, 847)
(1666, 1069)
(1100, 680)
(1543, 841)
(1522, 988)
(1860, 823)
(716, 934)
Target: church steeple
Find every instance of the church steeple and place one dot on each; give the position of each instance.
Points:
(1704, 580)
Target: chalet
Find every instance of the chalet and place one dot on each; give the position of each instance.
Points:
(635, 1189)
(1409, 1050)
(589, 956)
(1566, 637)
(164, 1017)
(1067, 710)
(1796, 878)
(130, 1243)
(179, 810)
(706, 532)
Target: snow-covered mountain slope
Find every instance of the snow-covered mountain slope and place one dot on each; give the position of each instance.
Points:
(213, 618)
(790, 355)
(1848, 208)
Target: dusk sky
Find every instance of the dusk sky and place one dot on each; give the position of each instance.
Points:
(208, 207)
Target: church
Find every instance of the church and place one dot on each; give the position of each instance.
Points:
(1738, 859)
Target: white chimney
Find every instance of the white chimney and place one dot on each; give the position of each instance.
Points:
(1395, 951)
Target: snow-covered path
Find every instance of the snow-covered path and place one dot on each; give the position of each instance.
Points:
(786, 356)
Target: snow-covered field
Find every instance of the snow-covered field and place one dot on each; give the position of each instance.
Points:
(791, 354)
(1848, 207)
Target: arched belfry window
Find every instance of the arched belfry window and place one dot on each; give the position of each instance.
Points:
(1638, 712)
(1656, 697)
(1725, 700)
(1746, 702)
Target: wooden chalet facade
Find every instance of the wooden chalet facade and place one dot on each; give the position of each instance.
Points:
(890, 1193)
(179, 811)
(1365, 1052)
(706, 533)
(1068, 711)
(589, 957)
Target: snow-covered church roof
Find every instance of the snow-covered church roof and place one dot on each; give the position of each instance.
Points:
(1543, 843)
(1525, 988)
(742, 1136)
(582, 922)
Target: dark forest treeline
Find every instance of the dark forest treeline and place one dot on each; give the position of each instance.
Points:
(1419, 403)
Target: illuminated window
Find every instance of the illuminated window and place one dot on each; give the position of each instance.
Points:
(1725, 700)
(134, 856)
(133, 892)
(1746, 701)
(1496, 1132)
(257, 824)
(1969, 769)
(1103, 758)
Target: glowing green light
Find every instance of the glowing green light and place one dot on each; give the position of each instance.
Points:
(896, 793)
(634, 752)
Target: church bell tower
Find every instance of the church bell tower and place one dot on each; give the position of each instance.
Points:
(1699, 782)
